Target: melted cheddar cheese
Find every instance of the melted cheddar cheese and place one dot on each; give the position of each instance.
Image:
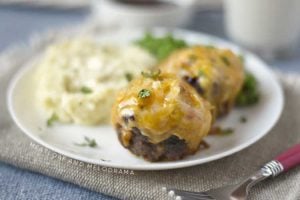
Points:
(172, 107)
(217, 74)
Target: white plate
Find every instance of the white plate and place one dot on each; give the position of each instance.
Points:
(61, 138)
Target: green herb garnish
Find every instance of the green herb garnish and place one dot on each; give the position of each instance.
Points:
(221, 131)
(242, 58)
(161, 47)
(225, 60)
(192, 58)
(52, 119)
(210, 46)
(104, 160)
(201, 73)
(88, 142)
(86, 90)
(243, 119)
(151, 74)
(227, 131)
(128, 77)
(144, 93)
(249, 93)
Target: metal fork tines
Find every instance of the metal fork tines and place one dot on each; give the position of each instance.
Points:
(230, 192)
(282, 163)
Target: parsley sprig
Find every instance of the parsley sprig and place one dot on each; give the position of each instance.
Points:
(52, 119)
(249, 93)
(144, 93)
(87, 142)
(154, 74)
(128, 77)
(161, 47)
(222, 132)
(225, 60)
(86, 90)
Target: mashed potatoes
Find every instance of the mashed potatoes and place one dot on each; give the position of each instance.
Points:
(77, 79)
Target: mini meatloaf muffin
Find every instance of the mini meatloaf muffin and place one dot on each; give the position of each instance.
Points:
(160, 117)
(216, 74)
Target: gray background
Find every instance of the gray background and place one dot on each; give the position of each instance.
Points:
(17, 24)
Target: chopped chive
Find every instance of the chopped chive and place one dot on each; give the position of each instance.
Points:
(104, 160)
(201, 73)
(128, 77)
(52, 119)
(88, 142)
(210, 46)
(221, 131)
(243, 119)
(151, 74)
(242, 58)
(144, 93)
(192, 59)
(92, 143)
(86, 90)
(227, 131)
(225, 60)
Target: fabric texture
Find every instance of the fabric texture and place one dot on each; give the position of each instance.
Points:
(66, 4)
(19, 150)
(16, 184)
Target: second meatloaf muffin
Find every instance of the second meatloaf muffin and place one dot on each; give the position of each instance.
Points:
(216, 74)
(161, 118)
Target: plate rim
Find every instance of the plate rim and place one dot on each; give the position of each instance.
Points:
(159, 165)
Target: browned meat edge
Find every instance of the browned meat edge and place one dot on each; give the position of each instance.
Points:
(170, 149)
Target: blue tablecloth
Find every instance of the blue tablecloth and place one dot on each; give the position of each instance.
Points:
(16, 25)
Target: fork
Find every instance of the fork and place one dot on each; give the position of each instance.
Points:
(282, 163)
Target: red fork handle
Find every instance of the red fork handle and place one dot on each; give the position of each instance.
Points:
(290, 158)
